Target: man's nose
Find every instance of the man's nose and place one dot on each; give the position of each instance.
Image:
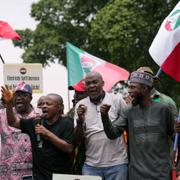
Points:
(19, 97)
(91, 85)
(44, 105)
(130, 91)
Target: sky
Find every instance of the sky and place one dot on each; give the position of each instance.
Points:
(17, 14)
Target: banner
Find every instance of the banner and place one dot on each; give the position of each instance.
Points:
(31, 74)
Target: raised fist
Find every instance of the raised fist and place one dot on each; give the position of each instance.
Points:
(104, 109)
(81, 110)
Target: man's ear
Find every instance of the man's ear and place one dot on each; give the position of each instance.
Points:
(155, 80)
(30, 97)
(144, 87)
(103, 83)
(61, 108)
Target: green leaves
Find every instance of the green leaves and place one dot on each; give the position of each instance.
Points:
(120, 31)
(59, 22)
(123, 31)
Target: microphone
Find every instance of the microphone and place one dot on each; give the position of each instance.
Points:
(38, 120)
(38, 138)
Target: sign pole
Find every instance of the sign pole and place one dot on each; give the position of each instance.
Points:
(2, 59)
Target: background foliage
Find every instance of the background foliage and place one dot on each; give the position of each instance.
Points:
(119, 31)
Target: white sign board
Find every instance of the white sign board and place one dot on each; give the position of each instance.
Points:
(29, 73)
(74, 177)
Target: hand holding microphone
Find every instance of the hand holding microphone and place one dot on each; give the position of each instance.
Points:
(38, 130)
(41, 130)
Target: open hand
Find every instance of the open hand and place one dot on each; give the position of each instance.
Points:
(7, 94)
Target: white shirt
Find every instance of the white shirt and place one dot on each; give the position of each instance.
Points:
(101, 151)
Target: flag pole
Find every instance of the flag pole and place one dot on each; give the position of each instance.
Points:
(158, 73)
(68, 100)
(174, 173)
(176, 137)
(2, 59)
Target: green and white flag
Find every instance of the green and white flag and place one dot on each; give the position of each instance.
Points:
(79, 63)
(165, 48)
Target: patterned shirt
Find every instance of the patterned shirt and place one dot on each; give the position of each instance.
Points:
(15, 149)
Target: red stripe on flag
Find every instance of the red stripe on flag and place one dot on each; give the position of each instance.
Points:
(111, 74)
(6, 31)
(171, 65)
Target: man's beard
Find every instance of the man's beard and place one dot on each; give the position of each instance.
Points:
(137, 100)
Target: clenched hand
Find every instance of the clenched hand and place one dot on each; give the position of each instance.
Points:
(104, 109)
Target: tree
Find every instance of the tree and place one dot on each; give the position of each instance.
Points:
(59, 21)
(123, 31)
(120, 31)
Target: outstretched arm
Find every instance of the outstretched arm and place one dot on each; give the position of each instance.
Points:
(7, 96)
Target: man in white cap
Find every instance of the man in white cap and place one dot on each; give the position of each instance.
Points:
(149, 126)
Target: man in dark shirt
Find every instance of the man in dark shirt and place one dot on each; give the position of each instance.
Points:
(51, 136)
(149, 126)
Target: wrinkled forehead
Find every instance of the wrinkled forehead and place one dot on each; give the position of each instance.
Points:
(48, 98)
(53, 99)
(93, 77)
(133, 84)
(21, 93)
(41, 100)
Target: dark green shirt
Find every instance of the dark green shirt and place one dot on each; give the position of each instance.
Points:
(148, 148)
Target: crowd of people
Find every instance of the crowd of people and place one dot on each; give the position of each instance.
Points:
(89, 140)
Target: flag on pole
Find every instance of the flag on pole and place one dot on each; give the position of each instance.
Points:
(79, 63)
(165, 48)
(7, 32)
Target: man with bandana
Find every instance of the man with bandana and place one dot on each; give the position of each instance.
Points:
(51, 135)
(15, 155)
